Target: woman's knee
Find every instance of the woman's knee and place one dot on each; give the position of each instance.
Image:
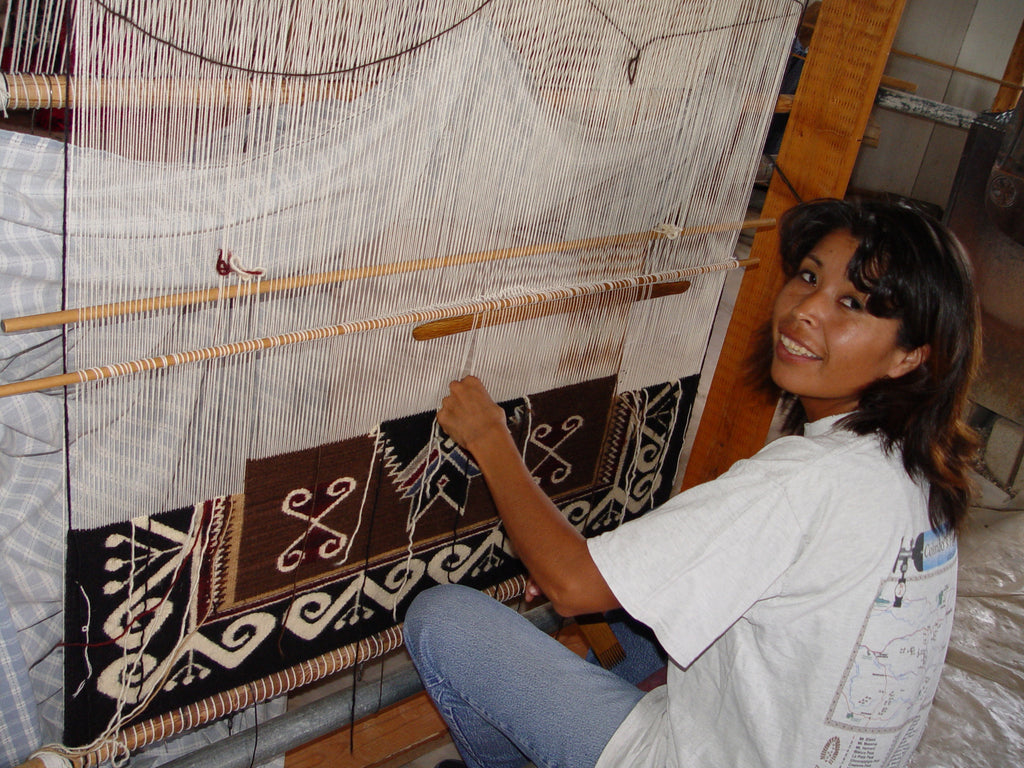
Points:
(434, 614)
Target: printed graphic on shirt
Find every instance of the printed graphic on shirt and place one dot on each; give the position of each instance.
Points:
(893, 670)
(868, 751)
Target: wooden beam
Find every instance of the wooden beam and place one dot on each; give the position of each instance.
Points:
(1007, 96)
(848, 52)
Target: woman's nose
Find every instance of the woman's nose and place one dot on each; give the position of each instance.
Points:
(810, 307)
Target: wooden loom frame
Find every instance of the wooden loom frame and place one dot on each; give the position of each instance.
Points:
(826, 125)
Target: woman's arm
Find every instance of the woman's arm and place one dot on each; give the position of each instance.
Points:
(554, 552)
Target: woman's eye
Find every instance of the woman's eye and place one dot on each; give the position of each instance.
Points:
(852, 302)
(808, 276)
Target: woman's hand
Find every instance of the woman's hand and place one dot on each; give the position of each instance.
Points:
(532, 591)
(470, 416)
(553, 551)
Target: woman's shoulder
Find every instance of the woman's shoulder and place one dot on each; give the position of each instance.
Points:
(838, 466)
(823, 444)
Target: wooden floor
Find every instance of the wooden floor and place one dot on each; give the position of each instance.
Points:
(393, 737)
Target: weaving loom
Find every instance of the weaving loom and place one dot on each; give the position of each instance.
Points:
(284, 228)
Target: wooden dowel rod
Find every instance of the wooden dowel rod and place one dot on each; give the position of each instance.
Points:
(407, 318)
(898, 84)
(450, 326)
(954, 68)
(39, 91)
(191, 298)
(34, 91)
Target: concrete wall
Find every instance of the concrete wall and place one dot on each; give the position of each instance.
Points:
(915, 157)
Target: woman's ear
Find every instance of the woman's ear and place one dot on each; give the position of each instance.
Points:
(910, 360)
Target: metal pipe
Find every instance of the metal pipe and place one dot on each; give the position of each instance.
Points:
(296, 727)
(936, 111)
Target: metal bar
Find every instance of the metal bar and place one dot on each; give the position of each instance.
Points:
(936, 111)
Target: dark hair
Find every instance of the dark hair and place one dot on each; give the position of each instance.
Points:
(913, 269)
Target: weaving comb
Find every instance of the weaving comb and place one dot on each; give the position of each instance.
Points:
(602, 640)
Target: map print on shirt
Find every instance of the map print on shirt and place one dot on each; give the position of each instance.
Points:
(888, 681)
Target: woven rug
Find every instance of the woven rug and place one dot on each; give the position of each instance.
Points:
(327, 546)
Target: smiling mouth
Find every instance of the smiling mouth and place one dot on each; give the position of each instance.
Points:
(796, 349)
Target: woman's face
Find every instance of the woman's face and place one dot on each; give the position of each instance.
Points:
(827, 347)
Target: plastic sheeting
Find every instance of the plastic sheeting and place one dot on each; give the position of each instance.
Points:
(977, 720)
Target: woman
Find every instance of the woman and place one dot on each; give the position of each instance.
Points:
(805, 597)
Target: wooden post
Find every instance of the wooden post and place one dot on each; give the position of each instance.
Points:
(1007, 97)
(848, 52)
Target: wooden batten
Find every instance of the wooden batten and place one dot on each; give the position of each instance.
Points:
(438, 329)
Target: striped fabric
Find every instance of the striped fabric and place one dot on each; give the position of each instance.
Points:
(33, 519)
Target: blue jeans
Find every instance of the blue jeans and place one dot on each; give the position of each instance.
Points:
(509, 692)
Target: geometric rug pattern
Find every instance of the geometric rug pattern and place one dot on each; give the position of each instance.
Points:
(328, 546)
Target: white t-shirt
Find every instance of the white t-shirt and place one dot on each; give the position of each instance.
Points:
(805, 605)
